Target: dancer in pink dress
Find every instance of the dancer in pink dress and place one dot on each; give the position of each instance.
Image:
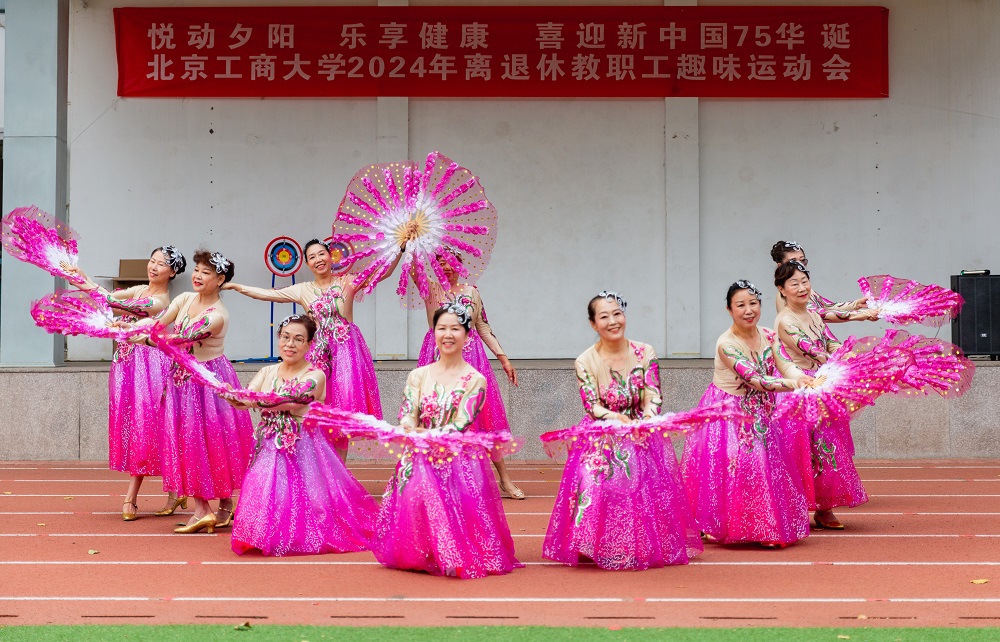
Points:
(338, 350)
(444, 517)
(832, 312)
(137, 379)
(493, 417)
(621, 502)
(298, 498)
(825, 456)
(206, 444)
(742, 479)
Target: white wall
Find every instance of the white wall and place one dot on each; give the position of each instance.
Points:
(903, 185)
(3, 61)
(906, 185)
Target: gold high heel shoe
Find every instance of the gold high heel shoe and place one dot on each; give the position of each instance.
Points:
(130, 517)
(229, 516)
(206, 522)
(181, 501)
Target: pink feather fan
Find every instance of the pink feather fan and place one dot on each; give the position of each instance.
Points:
(661, 426)
(37, 237)
(859, 372)
(938, 366)
(177, 350)
(79, 313)
(439, 210)
(901, 301)
(436, 444)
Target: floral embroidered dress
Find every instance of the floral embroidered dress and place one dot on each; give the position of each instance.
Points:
(298, 497)
(136, 383)
(443, 517)
(743, 481)
(338, 349)
(206, 443)
(824, 452)
(621, 502)
(493, 417)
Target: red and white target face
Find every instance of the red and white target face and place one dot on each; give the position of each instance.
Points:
(283, 256)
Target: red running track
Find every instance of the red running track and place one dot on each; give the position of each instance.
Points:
(910, 557)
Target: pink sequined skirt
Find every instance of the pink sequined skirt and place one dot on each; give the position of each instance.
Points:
(206, 443)
(743, 483)
(445, 519)
(136, 385)
(493, 416)
(351, 383)
(622, 505)
(824, 454)
(301, 502)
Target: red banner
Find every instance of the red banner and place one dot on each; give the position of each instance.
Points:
(759, 52)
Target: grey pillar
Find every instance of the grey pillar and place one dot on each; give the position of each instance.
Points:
(34, 168)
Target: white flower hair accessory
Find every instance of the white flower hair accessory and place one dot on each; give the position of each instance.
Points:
(799, 265)
(743, 284)
(460, 311)
(289, 319)
(175, 260)
(613, 296)
(220, 262)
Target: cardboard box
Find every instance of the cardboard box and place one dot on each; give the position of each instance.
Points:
(130, 272)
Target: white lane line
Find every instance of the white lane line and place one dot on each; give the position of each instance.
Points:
(980, 467)
(84, 563)
(520, 600)
(75, 495)
(44, 513)
(89, 598)
(518, 481)
(903, 513)
(929, 495)
(548, 513)
(163, 494)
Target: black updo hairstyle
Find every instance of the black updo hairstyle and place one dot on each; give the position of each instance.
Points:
(304, 319)
(741, 284)
(606, 295)
(464, 319)
(173, 257)
(786, 271)
(781, 248)
(204, 257)
(312, 242)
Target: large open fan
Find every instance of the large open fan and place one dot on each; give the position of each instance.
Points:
(37, 237)
(662, 426)
(78, 313)
(176, 350)
(855, 375)
(901, 301)
(436, 444)
(436, 212)
(938, 366)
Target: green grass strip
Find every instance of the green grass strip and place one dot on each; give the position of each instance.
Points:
(274, 633)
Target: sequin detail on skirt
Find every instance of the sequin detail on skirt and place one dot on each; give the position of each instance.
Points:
(301, 502)
(824, 455)
(136, 385)
(445, 519)
(743, 489)
(621, 504)
(206, 443)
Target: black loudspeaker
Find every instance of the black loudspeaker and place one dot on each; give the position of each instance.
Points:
(976, 329)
